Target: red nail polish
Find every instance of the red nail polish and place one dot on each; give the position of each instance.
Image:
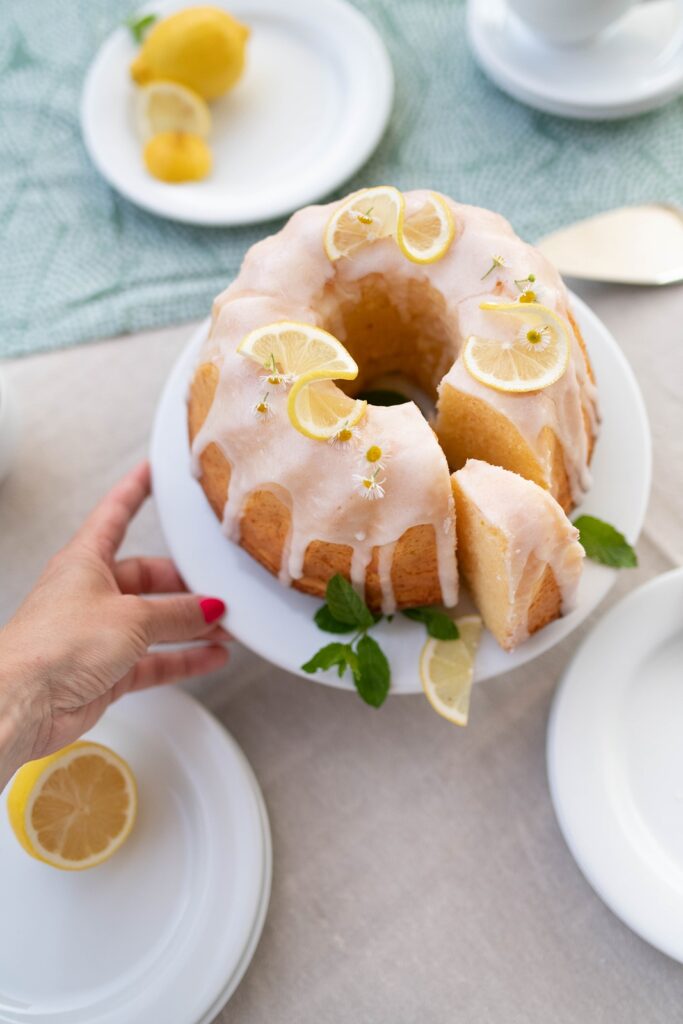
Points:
(212, 609)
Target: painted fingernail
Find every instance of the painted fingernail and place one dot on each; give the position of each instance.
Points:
(212, 609)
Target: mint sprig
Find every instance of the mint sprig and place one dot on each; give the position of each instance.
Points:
(439, 625)
(139, 26)
(603, 543)
(347, 612)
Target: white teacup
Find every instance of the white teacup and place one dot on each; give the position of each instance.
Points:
(566, 22)
(9, 432)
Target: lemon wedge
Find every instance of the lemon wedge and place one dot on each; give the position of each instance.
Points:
(320, 410)
(530, 357)
(375, 213)
(447, 670)
(175, 157)
(75, 808)
(363, 217)
(171, 107)
(426, 235)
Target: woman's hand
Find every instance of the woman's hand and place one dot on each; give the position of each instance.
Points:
(81, 638)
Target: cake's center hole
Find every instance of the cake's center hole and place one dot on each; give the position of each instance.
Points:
(399, 333)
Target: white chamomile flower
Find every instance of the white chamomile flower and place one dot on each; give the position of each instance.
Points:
(273, 377)
(535, 338)
(343, 439)
(496, 262)
(368, 486)
(376, 455)
(262, 409)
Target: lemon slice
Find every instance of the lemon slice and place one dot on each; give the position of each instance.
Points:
(171, 107)
(531, 357)
(363, 217)
(320, 410)
(75, 808)
(447, 669)
(426, 235)
(299, 350)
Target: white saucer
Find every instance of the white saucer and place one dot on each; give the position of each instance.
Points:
(277, 622)
(165, 930)
(615, 761)
(310, 109)
(634, 67)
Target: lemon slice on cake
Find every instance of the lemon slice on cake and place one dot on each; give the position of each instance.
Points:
(447, 670)
(426, 235)
(171, 107)
(320, 410)
(530, 356)
(296, 350)
(363, 217)
(75, 808)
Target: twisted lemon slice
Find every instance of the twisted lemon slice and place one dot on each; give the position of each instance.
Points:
(533, 357)
(447, 670)
(310, 359)
(375, 213)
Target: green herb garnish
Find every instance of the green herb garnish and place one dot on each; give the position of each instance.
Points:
(139, 26)
(347, 612)
(439, 625)
(603, 543)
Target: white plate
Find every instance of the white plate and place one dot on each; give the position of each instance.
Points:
(165, 930)
(277, 622)
(311, 107)
(615, 761)
(635, 67)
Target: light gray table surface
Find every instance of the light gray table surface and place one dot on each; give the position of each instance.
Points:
(419, 873)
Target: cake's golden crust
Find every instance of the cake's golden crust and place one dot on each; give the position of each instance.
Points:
(265, 524)
(481, 556)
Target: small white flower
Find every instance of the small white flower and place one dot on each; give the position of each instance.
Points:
(274, 379)
(369, 487)
(376, 455)
(343, 439)
(262, 409)
(497, 261)
(536, 339)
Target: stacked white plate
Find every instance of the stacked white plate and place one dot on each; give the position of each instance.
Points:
(164, 931)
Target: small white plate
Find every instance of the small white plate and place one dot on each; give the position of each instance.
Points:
(167, 927)
(277, 622)
(615, 761)
(634, 67)
(311, 107)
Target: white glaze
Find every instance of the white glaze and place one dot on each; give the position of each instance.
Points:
(285, 277)
(533, 524)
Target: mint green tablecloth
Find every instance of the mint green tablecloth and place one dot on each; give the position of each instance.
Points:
(78, 262)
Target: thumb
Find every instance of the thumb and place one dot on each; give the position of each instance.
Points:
(182, 617)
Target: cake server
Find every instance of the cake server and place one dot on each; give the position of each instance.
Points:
(640, 245)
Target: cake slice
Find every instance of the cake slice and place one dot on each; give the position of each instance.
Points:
(517, 551)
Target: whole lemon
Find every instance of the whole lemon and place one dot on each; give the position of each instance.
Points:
(201, 47)
(177, 156)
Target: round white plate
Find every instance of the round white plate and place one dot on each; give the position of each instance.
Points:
(311, 107)
(165, 930)
(615, 760)
(634, 67)
(277, 622)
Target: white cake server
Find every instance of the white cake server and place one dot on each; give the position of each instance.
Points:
(631, 245)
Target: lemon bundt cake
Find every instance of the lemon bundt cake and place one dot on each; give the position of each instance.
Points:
(301, 502)
(519, 554)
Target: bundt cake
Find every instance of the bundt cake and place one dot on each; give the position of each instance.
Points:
(299, 505)
(518, 553)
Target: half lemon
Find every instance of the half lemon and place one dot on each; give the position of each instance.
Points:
(170, 107)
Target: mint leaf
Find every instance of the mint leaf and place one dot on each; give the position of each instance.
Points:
(603, 543)
(346, 605)
(371, 674)
(439, 625)
(383, 396)
(324, 619)
(327, 657)
(139, 26)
